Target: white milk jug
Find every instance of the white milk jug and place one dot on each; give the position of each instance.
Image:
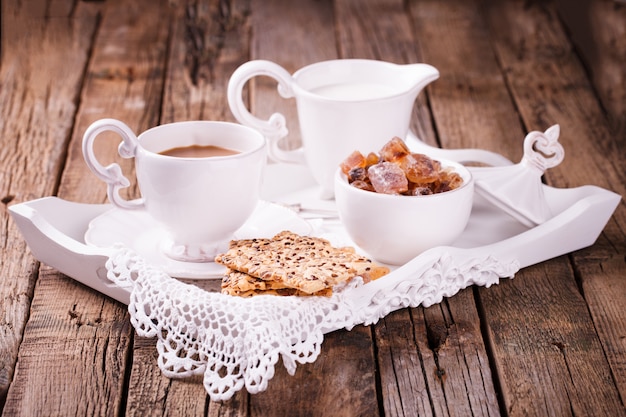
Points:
(343, 105)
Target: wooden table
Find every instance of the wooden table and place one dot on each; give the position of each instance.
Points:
(551, 341)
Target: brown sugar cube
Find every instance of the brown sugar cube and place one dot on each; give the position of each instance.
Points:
(363, 185)
(394, 150)
(357, 174)
(371, 159)
(354, 160)
(419, 189)
(419, 168)
(447, 180)
(388, 178)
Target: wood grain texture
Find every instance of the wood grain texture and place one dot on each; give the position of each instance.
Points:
(311, 38)
(210, 39)
(207, 42)
(549, 358)
(363, 34)
(75, 354)
(346, 360)
(548, 342)
(341, 382)
(604, 289)
(550, 86)
(597, 29)
(584, 133)
(470, 103)
(39, 97)
(457, 349)
(124, 81)
(433, 361)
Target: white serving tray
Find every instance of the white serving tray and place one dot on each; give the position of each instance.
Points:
(54, 228)
(190, 323)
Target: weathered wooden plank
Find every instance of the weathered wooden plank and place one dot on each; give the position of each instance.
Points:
(346, 364)
(390, 38)
(74, 355)
(125, 82)
(550, 86)
(209, 39)
(548, 356)
(362, 33)
(470, 104)
(454, 346)
(421, 386)
(38, 96)
(402, 367)
(598, 29)
(472, 85)
(410, 387)
(309, 25)
(339, 383)
(436, 355)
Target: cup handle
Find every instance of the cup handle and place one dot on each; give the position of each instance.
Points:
(112, 174)
(274, 128)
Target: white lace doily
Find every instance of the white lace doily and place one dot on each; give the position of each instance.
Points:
(235, 342)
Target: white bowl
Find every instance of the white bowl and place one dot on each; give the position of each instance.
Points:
(394, 229)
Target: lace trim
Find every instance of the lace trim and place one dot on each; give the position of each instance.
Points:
(236, 342)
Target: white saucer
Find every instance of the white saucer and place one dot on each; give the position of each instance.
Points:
(138, 231)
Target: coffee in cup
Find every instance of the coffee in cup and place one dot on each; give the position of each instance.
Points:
(198, 151)
(199, 180)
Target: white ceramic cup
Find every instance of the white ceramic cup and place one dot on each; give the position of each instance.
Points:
(343, 105)
(199, 202)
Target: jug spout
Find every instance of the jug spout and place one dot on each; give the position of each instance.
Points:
(419, 76)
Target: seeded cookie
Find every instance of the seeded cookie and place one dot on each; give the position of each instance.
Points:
(308, 264)
(244, 285)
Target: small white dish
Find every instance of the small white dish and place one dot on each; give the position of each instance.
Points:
(394, 229)
(136, 230)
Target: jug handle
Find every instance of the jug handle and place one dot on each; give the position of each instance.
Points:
(274, 128)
